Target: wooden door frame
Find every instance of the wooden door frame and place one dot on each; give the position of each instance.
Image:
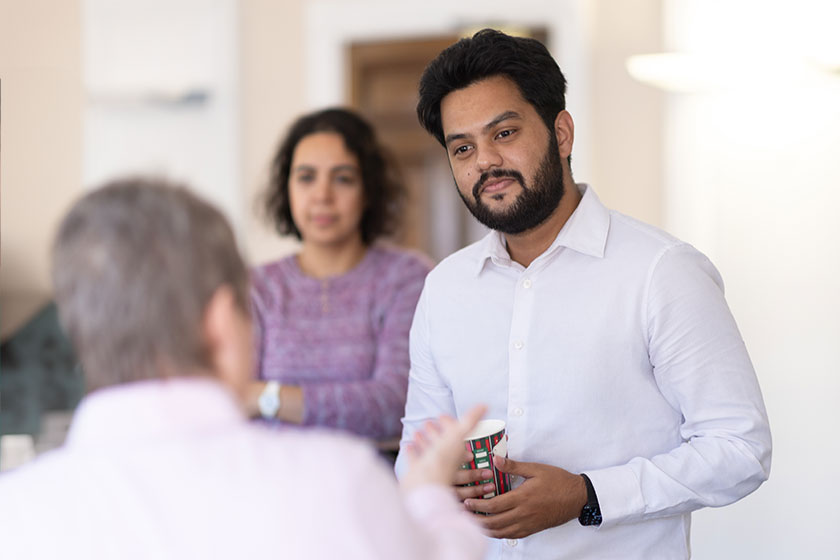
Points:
(331, 25)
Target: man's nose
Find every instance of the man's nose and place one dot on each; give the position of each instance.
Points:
(487, 158)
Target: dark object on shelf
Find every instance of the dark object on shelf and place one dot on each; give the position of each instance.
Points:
(39, 373)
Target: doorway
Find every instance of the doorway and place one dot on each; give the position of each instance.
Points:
(383, 81)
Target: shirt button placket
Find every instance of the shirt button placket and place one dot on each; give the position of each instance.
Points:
(523, 307)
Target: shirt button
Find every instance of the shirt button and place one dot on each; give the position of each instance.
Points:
(512, 542)
(526, 283)
(518, 345)
(518, 412)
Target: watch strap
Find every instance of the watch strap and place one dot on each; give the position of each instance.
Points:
(591, 512)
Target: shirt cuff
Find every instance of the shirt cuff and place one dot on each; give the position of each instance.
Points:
(619, 495)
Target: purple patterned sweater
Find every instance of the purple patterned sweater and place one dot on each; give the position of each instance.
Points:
(344, 339)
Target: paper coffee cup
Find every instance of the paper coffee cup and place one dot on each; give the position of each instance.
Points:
(487, 439)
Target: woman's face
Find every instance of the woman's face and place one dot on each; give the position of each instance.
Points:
(326, 194)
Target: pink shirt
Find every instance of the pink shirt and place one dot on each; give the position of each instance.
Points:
(172, 469)
(344, 340)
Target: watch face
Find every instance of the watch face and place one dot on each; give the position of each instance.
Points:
(269, 402)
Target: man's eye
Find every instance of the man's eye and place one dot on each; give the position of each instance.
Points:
(506, 133)
(461, 150)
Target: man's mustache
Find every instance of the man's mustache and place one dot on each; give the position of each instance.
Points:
(496, 174)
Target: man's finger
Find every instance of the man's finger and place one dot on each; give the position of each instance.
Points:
(467, 492)
(500, 524)
(494, 505)
(468, 476)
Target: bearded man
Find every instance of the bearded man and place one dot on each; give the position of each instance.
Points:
(604, 343)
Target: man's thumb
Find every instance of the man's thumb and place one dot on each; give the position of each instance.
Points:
(510, 466)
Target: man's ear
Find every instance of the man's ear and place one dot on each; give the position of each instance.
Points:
(221, 328)
(564, 131)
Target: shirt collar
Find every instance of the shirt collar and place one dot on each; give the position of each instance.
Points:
(585, 231)
(156, 409)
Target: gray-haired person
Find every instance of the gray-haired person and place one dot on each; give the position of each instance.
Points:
(161, 461)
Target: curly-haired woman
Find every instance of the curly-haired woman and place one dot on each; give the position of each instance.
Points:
(333, 320)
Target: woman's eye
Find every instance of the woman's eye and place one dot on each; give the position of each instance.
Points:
(305, 178)
(346, 179)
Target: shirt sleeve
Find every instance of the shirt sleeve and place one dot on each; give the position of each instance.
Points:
(428, 395)
(373, 407)
(701, 366)
(426, 523)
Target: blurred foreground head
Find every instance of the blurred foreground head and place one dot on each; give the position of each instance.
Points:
(150, 284)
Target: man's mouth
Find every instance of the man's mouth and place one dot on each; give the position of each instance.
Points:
(495, 182)
(496, 185)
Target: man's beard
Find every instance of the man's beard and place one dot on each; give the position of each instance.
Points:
(534, 204)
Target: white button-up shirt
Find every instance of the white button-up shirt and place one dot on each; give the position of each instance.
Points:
(614, 353)
(159, 470)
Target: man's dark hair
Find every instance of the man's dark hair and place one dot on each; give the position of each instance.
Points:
(384, 193)
(490, 53)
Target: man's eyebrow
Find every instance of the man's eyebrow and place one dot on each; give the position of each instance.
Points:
(495, 121)
(452, 137)
(500, 118)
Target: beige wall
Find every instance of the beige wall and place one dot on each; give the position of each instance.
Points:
(42, 123)
(627, 117)
(271, 96)
(41, 71)
(40, 143)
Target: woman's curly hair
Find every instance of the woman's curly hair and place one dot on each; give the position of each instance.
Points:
(384, 192)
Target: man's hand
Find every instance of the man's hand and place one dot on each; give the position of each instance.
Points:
(438, 450)
(467, 476)
(550, 496)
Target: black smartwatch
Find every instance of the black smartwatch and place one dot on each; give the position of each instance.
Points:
(591, 512)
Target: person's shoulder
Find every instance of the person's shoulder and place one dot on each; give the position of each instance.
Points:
(304, 449)
(39, 475)
(268, 280)
(644, 241)
(272, 270)
(640, 232)
(394, 254)
(655, 248)
(400, 263)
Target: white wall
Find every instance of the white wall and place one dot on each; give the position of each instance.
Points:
(142, 62)
(753, 180)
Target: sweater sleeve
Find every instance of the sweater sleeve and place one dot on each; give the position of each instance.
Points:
(373, 407)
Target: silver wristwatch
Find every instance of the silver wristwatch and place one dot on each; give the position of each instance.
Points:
(269, 401)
